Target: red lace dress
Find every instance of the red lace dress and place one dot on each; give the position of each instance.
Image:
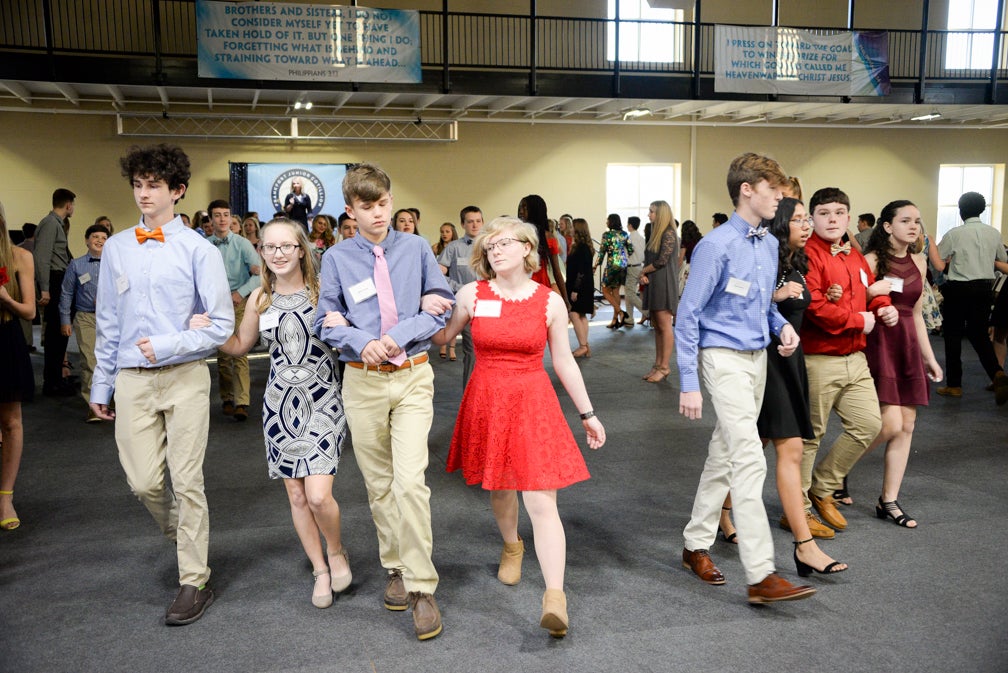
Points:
(511, 433)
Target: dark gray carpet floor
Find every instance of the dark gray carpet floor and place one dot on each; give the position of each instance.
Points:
(86, 579)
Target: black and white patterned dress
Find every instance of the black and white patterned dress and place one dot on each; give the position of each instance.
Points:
(303, 421)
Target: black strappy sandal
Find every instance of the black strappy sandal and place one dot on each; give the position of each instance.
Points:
(887, 510)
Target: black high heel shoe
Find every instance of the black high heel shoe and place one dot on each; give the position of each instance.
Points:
(887, 510)
(804, 569)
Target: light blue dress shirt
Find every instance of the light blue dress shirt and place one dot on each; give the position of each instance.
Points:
(152, 290)
(414, 273)
(711, 313)
(74, 293)
(456, 257)
(239, 254)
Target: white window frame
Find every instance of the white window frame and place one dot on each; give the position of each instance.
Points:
(642, 38)
(970, 51)
(628, 195)
(957, 179)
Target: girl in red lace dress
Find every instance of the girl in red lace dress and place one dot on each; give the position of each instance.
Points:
(511, 434)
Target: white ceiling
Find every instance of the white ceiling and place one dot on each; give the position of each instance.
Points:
(78, 98)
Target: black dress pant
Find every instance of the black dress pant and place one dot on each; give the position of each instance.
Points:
(55, 343)
(966, 312)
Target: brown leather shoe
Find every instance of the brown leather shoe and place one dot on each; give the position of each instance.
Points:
(775, 588)
(827, 509)
(228, 407)
(426, 616)
(816, 527)
(189, 605)
(950, 391)
(240, 412)
(395, 592)
(700, 563)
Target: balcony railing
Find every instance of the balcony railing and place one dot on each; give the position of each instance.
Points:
(456, 40)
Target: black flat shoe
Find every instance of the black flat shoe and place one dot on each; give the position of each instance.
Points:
(887, 510)
(804, 569)
(841, 496)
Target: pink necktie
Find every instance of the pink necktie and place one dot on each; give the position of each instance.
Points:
(386, 299)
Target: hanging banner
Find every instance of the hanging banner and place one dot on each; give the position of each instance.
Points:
(799, 62)
(269, 185)
(310, 43)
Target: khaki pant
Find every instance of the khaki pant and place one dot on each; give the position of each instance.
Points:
(84, 330)
(161, 422)
(233, 372)
(843, 383)
(735, 460)
(633, 298)
(390, 415)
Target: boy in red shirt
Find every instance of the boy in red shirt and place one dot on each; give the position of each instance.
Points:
(833, 337)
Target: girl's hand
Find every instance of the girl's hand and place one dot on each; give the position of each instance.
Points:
(594, 431)
(934, 370)
(334, 319)
(200, 320)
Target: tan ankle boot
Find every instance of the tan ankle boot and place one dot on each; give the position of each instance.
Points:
(509, 571)
(554, 615)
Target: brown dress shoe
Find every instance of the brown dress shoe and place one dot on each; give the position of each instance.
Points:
(189, 605)
(228, 407)
(827, 509)
(950, 391)
(426, 615)
(240, 412)
(775, 588)
(816, 527)
(700, 563)
(395, 592)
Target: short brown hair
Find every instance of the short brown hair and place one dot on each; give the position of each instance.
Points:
(365, 182)
(752, 168)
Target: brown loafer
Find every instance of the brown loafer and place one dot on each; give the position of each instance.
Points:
(240, 412)
(395, 597)
(831, 516)
(950, 391)
(228, 407)
(816, 527)
(426, 615)
(775, 588)
(700, 563)
(189, 605)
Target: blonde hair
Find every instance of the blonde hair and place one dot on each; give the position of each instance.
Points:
(309, 268)
(522, 232)
(663, 220)
(8, 260)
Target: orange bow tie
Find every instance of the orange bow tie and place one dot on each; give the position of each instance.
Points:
(143, 235)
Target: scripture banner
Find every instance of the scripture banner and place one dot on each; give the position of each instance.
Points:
(269, 185)
(793, 61)
(310, 43)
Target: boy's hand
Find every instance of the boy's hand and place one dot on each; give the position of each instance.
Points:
(834, 293)
(435, 304)
(869, 321)
(66, 330)
(374, 353)
(334, 319)
(102, 411)
(200, 320)
(147, 349)
(889, 315)
(236, 298)
(879, 288)
(691, 405)
(391, 347)
(43, 298)
(790, 290)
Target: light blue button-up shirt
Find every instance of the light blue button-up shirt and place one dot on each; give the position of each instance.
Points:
(74, 293)
(711, 314)
(414, 273)
(455, 257)
(152, 290)
(239, 257)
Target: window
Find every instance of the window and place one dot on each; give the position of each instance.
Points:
(647, 34)
(956, 179)
(630, 189)
(970, 51)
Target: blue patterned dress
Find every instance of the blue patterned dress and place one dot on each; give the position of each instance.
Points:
(303, 420)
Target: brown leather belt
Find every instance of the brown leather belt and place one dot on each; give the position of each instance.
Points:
(388, 367)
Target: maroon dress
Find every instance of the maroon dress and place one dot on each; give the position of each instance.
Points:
(511, 433)
(893, 353)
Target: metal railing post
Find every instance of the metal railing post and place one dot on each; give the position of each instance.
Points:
(696, 50)
(445, 78)
(922, 63)
(533, 36)
(616, 46)
(996, 56)
(159, 73)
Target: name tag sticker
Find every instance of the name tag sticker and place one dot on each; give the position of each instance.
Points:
(363, 290)
(864, 277)
(738, 287)
(269, 321)
(122, 284)
(488, 308)
(84, 278)
(896, 283)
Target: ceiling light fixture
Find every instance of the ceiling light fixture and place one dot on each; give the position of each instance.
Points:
(636, 113)
(297, 105)
(934, 114)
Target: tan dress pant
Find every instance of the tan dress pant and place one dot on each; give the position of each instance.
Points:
(233, 372)
(84, 330)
